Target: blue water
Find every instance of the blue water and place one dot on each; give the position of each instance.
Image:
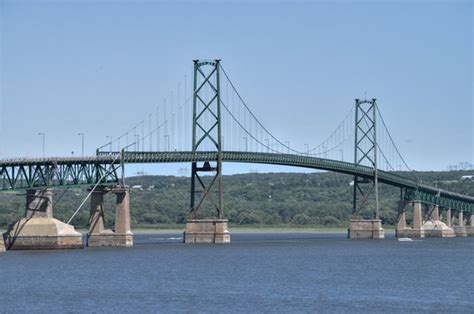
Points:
(285, 272)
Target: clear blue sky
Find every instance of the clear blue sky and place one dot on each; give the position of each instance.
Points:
(100, 66)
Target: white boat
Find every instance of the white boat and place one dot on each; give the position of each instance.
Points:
(405, 239)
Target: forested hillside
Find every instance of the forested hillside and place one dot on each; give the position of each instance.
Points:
(257, 198)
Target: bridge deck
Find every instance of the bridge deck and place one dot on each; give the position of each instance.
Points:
(37, 172)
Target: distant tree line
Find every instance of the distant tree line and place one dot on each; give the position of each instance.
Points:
(312, 199)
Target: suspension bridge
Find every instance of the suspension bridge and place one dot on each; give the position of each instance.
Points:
(214, 125)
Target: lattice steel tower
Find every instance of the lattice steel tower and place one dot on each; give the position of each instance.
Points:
(365, 153)
(207, 136)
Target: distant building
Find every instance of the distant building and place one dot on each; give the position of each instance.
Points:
(137, 187)
(467, 178)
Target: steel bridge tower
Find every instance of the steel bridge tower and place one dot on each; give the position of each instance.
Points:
(206, 128)
(365, 154)
(206, 137)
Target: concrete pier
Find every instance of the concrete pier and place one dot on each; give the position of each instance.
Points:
(206, 231)
(39, 203)
(435, 228)
(2, 245)
(96, 218)
(402, 221)
(39, 230)
(449, 220)
(435, 213)
(411, 232)
(401, 224)
(470, 228)
(366, 229)
(460, 229)
(98, 236)
(123, 233)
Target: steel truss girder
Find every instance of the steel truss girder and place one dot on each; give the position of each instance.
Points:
(43, 174)
(79, 168)
(438, 199)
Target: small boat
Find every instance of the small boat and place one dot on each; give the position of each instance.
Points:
(405, 239)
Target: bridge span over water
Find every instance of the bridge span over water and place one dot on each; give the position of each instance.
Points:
(224, 129)
(105, 168)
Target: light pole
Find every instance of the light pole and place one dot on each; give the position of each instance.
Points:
(324, 151)
(43, 136)
(82, 135)
(167, 138)
(173, 129)
(268, 144)
(245, 138)
(137, 142)
(143, 134)
(149, 132)
(288, 146)
(342, 154)
(307, 148)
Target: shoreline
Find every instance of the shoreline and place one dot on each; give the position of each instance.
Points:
(248, 229)
(242, 229)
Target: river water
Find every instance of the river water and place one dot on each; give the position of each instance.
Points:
(280, 272)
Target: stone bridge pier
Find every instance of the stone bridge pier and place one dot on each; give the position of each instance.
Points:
(206, 231)
(434, 227)
(38, 230)
(416, 230)
(122, 234)
(460, 227)
(365, 229)
(470, 228)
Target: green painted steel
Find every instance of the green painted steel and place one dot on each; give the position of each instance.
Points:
(48, 172)
(62, 177)
(206, 130)
(365, 153)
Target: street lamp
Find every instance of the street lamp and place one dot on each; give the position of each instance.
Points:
(342, 153)
(307, 148)
(288, 146)
(149, 132)
(268, 144)
(143, 134)
(167, 138)
(82, 135)
(137, 142)
(43, 136)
